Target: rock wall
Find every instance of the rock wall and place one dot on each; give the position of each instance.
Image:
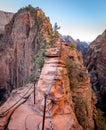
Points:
(70, 100)
(27, 33)
(83, 96)
(96, 64)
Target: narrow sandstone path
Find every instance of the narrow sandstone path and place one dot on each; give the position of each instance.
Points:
(54, 82)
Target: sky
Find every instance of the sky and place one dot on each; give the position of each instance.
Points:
(81, 19)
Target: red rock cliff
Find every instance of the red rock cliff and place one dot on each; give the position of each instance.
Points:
(27, 33)
(96, 64)
(70, 100)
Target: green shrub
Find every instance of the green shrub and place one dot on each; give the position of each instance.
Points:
(31, 78)
(102, 120)
(38, 59)
(73, 45)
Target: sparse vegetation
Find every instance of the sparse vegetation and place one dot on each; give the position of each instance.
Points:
(55, 34)
(81, 105)
(73, 45)
(81, 111)
(38, 59)
(31, 78)
(102, 120)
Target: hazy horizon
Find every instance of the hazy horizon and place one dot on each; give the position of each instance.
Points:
(81, 19)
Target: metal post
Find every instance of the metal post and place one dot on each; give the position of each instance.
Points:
(60, 49)
(34, 93)
(44, 112)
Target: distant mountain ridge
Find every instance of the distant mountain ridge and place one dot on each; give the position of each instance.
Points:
(81, 45)
(66, 38)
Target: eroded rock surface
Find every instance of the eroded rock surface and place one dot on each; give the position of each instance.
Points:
(96, 64)
(54, 82)
(27, 33)
(83, 97)
(70, 99)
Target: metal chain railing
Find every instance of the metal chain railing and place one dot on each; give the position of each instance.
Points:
(50, 117)
(45, 99)
(6, 111)
(47, 94)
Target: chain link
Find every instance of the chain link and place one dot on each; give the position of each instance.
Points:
(50, 117)
(47, 94)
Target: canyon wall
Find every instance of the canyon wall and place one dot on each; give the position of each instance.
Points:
(64, 79)
(27, 33)
(95, 60)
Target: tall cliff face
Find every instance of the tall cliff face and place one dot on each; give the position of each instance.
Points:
(70, 103)
(83, 97)
(5, 18)
(96, 64)
(27, 33)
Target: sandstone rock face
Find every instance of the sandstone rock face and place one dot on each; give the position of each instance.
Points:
(82, 95)
(26, 34)
(5, 18)
(96, 64)
(70, 100)
(15, 102)
(54, 82)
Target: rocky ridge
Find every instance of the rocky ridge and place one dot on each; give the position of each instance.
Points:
(82, 95)
(71, 101)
